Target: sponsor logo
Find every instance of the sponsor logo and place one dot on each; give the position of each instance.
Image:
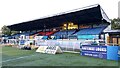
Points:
(94, 49)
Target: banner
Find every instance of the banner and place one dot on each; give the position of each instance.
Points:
(106, 52)
(94, 51)
(41, 49)
(21, 42)
(53, 50)
(49, 49)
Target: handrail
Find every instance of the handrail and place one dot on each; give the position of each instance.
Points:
(106, 44)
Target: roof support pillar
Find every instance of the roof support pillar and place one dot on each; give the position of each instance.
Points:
(45, 29)
(67, 29)
(35, 30)
(78, 26)
(10, 32)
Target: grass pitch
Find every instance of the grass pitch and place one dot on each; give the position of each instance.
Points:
(16, 57)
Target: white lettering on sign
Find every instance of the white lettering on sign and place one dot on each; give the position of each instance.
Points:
(95, 55)
(84, 48)
(88, 54)
(91, 48)
(53, 50)
(101, 49)
(88, 48)
(94, 48)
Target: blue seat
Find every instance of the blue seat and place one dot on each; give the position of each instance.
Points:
(90, 31)
(45, 37)
(64, 32)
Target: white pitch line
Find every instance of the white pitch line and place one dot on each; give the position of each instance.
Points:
(16, 58)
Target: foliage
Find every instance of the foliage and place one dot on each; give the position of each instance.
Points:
(115, 23)
(6, 31)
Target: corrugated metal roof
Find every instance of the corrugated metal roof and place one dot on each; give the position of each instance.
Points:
(87, 15)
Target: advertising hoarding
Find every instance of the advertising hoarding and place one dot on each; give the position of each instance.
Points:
(94, 51)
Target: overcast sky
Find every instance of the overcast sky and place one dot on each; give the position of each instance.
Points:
(17, 11)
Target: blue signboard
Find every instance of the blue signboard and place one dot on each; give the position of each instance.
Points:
(119, 53)
(112, 52)
(94, 51)
(22, 42)
(106, 52)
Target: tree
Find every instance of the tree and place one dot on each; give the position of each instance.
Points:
(115, 23)
(5, 30)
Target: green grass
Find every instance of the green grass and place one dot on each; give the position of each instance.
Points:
(31, 58)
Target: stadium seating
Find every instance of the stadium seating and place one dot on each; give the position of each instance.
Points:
(90, 31)
(45, 37)
(47, 33)
(87, 36)
(17, 35)
(14, 36)
(28, 33)
(81, 33)
(64, 32)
